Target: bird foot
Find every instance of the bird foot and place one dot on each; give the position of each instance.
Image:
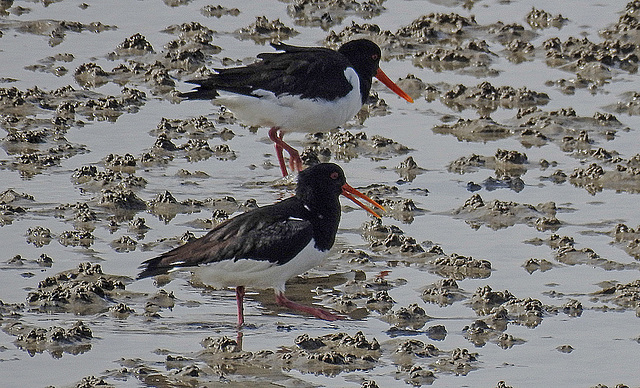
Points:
(295, 161)
(316, 312)
(326, 315)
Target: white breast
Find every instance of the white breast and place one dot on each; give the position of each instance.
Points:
(293, 114)
(258, 273)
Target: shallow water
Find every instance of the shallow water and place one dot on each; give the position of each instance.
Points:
(604, 337)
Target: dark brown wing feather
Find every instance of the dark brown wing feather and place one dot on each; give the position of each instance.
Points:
(268, 233)
(284, 72)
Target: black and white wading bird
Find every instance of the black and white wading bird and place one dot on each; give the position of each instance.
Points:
(265, 247)
(300, 89)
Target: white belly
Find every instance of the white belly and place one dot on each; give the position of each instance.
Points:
(293, 114)
(259, 274)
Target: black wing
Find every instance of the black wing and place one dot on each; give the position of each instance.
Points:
(274, 233)
(309, 72)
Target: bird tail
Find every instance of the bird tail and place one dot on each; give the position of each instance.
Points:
(200, 94)
(206, 90)
(288, 48)
(153, 267)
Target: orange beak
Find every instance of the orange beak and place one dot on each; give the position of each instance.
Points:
(349, 192)
(391, 85)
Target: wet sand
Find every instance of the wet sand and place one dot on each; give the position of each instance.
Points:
(508, 255)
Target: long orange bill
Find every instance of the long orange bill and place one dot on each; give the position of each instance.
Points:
(349, 192)
(391, 85)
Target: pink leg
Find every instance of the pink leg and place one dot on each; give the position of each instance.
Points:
(239, 341)
(316, 312)
(273, 135)
(239, 301)
(295, 162)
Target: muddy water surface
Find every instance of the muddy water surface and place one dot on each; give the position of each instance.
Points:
(509, 254)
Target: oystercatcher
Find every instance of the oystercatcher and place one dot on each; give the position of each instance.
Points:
(301, 89)
(265, 247)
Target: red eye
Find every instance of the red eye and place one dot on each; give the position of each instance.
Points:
(334, 175)
(375, 57)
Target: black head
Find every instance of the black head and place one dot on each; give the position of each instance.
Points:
(324, 180)
(364, 56)
(320, 186)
